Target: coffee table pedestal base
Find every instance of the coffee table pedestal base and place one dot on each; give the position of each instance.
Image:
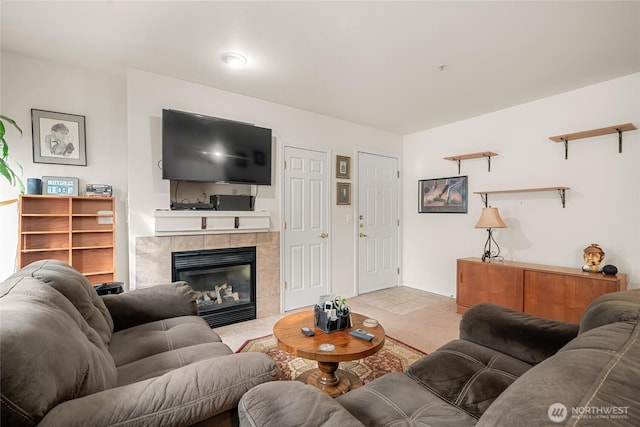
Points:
(328, 378)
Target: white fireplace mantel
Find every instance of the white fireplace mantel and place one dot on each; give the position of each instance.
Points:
(168, 222)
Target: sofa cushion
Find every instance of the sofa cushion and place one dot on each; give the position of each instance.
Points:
(593, 377)
(396, 400)
(467, 375)
(182, 397)
(609, 308)
(270, 405)
(77, 289)
(161, 363)
(146, 305)
(523, 336)
(49, 351)
(152, 338)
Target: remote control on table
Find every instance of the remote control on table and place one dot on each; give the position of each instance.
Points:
(363, 335)
(308, 332)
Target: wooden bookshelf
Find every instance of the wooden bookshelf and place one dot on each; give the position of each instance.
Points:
(77, 230)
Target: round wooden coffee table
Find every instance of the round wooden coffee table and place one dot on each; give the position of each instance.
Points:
(327, 376)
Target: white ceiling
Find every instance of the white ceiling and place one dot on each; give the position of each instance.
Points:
(374, 63)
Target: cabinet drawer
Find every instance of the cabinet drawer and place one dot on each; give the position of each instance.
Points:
(560, 296)
(486, 282)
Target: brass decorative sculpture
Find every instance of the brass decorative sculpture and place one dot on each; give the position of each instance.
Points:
(593, 256)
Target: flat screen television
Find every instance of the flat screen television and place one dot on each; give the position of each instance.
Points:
(209, 149)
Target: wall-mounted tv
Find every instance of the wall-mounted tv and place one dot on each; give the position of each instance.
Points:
(209, 149)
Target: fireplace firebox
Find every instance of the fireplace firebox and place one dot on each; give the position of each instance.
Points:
(224, 281)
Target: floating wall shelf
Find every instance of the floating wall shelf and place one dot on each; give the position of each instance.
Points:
(458, 159)
(485, 194)
(591, 133)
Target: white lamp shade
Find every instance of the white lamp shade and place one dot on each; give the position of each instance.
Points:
(490, 218)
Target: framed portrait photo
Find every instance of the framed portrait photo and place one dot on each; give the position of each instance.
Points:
(343, 193)
(343, 167)
(443, 195)
(58, 138)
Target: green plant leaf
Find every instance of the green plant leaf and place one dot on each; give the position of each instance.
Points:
(6, 169)
(10, 120)
(19, 182)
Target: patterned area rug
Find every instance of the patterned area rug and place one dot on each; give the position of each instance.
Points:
(394, 356)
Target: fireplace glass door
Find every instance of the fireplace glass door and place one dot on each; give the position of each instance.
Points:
(223, 281)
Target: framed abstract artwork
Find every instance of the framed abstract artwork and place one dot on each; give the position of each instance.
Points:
(443, 195)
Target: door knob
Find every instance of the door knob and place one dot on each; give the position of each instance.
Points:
(323, 235)
(363, 235)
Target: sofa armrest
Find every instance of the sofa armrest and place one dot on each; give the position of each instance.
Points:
(150, 304)
(292, 404)
(184, 396)
(523, 336)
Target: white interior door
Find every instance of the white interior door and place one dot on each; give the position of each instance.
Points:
(306, 227)
(378, 222)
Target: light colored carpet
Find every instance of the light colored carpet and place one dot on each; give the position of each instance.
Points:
(394, 356)
(422, 320)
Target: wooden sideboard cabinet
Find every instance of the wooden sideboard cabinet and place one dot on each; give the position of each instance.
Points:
(77, 230)
(558, 293)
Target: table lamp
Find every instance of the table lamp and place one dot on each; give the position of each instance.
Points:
(490, 219)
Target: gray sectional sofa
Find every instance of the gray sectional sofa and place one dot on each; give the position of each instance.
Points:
(507, 369)
(142, 358)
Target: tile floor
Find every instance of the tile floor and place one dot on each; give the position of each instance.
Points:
(420, 319)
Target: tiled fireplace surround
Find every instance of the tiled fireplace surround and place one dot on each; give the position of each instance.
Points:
(153, 261)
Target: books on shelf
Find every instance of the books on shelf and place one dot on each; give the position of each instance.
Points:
(99, 190)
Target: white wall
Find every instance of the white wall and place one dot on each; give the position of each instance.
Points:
(603, 204)
(148, 93)
(31, 83)
(122, 117)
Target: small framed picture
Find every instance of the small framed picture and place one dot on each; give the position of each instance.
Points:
(343, 193)
(58, 138)
(443, 195)
(343, 167)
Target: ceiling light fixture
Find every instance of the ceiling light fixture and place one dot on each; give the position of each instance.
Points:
(233, 59)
